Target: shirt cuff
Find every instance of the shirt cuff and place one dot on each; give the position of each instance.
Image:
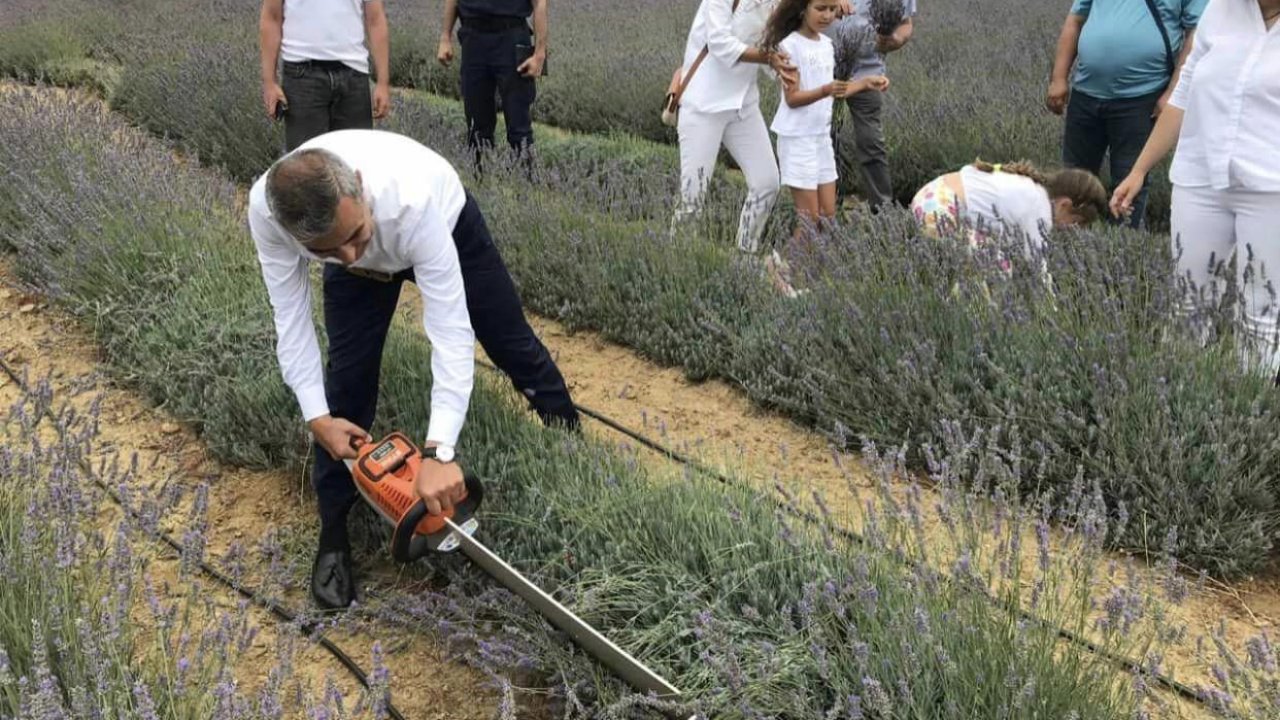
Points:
(445, 425)
(313, 402)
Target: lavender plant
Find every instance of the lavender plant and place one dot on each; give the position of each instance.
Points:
(882, 349)
(748, 613)
(852, 39)
(887, 15)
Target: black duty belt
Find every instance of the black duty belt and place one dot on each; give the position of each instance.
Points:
(322, 64)
(493, 23)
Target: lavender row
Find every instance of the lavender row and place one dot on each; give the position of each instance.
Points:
(750, 614)
(1100, 375)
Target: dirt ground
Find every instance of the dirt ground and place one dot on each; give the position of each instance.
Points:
(243, 506)
(716, 423)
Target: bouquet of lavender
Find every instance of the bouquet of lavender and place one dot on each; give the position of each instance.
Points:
(852, 39)
(887, 15)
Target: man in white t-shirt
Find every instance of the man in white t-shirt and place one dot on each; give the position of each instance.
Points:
(325, 71)
(378, 209)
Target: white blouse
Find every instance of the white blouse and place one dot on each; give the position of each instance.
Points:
(722, 82)
(1230, 91)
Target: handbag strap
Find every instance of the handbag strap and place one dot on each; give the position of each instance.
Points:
(684, 82)
(1164, 35)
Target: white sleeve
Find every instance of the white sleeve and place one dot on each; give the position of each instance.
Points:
(721, 42)
(285, 273)
(447, 323)
(1199, 46)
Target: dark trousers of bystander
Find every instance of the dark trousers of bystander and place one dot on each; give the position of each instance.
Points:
(868, 157)
(1094, 127)
(324, 96)
(489, 62)
(357, 315)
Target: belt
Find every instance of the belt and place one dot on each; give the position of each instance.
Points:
(494, 23)
(323, 64)
(371, 274)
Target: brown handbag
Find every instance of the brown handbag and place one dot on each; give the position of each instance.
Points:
(675, 91)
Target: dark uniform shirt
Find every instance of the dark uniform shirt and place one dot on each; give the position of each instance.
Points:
(495, 8)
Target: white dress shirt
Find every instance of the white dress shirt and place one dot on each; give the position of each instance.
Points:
(722, 82)
(325, 30)
(1230, 90)
(415, 197)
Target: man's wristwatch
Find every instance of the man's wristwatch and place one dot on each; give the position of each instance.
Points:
(440, 453)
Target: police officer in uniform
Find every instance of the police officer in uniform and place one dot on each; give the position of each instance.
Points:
(500, 56)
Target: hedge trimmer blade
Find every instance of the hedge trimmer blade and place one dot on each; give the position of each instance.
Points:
(384, 474)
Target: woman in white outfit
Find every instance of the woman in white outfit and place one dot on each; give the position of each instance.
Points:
(1224, 117)
(721, 105)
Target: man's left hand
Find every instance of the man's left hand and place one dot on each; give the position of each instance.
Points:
(381, 100)
(888, 43)
(533, 66)
(846, 8)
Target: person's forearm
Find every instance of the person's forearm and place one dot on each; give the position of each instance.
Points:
(380, 48)
(540, 26)
(1068, 45)
(800, 98)
(753, 54)
(270, 33)
(1162, 140)
(1182, 59)
(450, 19)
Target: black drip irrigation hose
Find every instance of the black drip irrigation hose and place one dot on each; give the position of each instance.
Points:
(1125, 663)
(310, 628)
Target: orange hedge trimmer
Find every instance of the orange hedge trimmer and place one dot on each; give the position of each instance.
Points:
(385, 472)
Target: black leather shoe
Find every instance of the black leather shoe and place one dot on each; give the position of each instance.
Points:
(332, 580)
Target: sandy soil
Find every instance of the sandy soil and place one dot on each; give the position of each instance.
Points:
(718, 424)
(243, 507)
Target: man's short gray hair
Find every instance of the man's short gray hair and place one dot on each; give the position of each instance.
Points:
(303, 190)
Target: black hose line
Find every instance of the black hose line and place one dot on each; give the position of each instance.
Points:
(825, 525)
(313, 632)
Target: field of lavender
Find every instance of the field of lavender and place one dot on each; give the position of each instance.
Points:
(967, 85)
(902, 340)
(752, 615)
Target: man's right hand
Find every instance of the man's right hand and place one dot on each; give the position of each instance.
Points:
(272, 94)
(335, 434)
(444, 51)
(1056, 100)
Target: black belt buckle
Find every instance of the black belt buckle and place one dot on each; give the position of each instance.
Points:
(371, 274)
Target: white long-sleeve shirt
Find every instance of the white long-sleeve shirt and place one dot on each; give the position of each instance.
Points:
(723, 82)
(415, 197)
(1230, 91)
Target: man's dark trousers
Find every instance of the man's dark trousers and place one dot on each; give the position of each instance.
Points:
(870, 153)
(357, 316)
(324, 95)
(489, 63)
(1094, 126)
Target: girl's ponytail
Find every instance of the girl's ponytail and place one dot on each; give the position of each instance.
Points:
(1085, 191)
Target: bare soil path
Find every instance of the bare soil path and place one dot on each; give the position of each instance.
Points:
(244, 506)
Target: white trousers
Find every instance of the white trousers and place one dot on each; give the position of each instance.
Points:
(744, 135)
(1211, 225)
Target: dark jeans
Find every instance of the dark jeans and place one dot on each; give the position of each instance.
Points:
(489, 71)
(324, 96)
(870, 154)
(1094, 126)
(357, 316)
